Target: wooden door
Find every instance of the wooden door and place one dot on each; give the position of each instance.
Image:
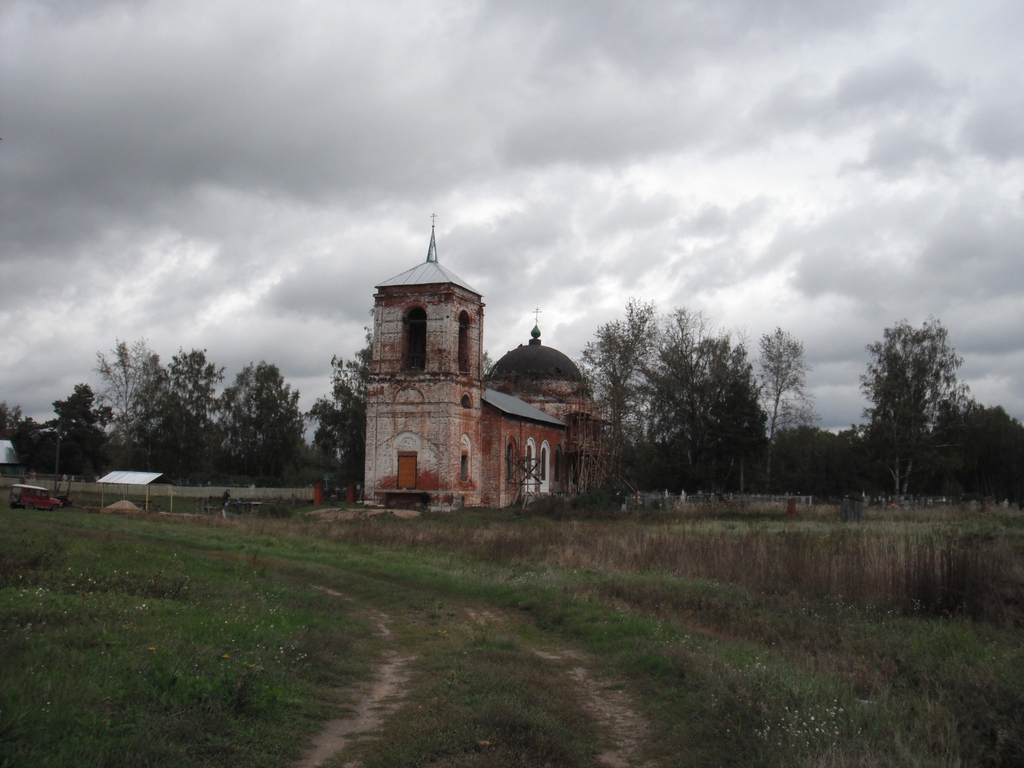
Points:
(407, 471)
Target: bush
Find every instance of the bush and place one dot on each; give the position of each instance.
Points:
(277, 509)
(595, 503)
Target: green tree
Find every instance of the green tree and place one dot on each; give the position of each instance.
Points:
(738, 420)
(35, 444)
(992, 454)
(78, 432)
(616, 364)
(783, 378)
(260, 422)
(341, 418)
(10, 418)
(188, 412)
(705, 417)
(815, 462)
(916, 400)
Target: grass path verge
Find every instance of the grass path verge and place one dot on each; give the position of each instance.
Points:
(262, 632)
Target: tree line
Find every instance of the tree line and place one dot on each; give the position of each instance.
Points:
(148, 416)
(688, 407)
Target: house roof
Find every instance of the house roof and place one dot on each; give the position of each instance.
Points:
(513, 406)
(428, 273)
(7, 453)
(131, 478)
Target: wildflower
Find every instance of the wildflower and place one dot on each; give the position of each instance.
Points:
(225, 656)
(152, 648)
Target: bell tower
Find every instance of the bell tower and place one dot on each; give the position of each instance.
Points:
(423, 401)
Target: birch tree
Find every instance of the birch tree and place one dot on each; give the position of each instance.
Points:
(132, 384)
(915, 397)
(616, 365)
(188, 411)
(782, 372)
(261, 422)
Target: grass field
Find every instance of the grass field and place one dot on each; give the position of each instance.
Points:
(713, 637)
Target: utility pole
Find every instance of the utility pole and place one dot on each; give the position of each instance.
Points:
(56, 462)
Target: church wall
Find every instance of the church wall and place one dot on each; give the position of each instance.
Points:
(498, 429)
(421, 413)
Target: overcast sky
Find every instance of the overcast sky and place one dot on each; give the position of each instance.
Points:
(237, 176)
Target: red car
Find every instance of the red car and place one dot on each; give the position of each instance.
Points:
(32, 497)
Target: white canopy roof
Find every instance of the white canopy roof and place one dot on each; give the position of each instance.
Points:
(131, 478)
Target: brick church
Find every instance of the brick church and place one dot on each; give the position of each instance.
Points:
(439, 427)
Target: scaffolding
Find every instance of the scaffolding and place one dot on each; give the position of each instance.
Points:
(586, 453)
(584, 463)
(526, 473)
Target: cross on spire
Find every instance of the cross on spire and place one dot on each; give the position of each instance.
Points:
(433, 218)
(536, 315)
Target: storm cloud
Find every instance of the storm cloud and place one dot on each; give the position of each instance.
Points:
(237, 176)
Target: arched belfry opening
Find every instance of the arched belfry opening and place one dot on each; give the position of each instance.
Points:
(415, 339)
(464, 342)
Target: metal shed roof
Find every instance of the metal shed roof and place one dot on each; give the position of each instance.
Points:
(7, 453)
(516, 407)
(131, 478)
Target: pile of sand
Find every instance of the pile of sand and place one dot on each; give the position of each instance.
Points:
(121, 506)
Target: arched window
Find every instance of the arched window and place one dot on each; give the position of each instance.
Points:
(466, 402)
(464, 342)
(464, 459)
(510, 458)
(416, 339)
(544, 462)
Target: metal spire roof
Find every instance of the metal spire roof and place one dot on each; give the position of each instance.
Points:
(432, 250)
(429, 273)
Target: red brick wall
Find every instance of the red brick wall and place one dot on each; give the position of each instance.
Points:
(422, 411)
(498, 430)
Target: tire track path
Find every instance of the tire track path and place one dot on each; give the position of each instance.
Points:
(373, 704)
(611, 707)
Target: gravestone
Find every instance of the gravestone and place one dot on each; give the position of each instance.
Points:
(851, 511)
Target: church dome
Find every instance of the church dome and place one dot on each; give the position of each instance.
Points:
(536, 360)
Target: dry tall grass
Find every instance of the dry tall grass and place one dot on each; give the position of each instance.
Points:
(911, 567)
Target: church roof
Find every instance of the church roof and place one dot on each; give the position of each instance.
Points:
(534, 359)
(516, 407)
(428, 273)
